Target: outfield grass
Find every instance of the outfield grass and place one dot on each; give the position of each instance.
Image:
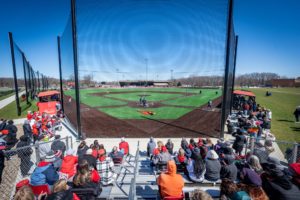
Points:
(136, 96)
(196, 100)
(165, 112)
(282, 104)
(10, 111)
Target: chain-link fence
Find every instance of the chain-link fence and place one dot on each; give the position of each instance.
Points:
(285, 151)
(21, 162)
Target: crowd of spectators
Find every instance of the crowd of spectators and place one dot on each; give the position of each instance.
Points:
(90, 169)
(256, 175)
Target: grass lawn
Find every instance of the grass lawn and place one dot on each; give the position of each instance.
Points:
(282, 104)
(10, 111)
(136, 96)
(160, 113)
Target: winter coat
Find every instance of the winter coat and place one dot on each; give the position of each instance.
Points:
(213, 168)
(249, 176)
(90, 159)
(229, 171)
(150, 147)
(170, 147)
(68, 165)
(27, 130)
(239, 142)
(44, 173)
(191, 173)
(82, 151)
(63, 195)
(124, 145)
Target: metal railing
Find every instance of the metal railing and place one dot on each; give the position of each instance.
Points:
(132, 190)
(20, 164)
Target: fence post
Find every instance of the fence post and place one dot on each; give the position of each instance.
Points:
(67, 142)
(252, 139)
(37, 153)
(295, 152)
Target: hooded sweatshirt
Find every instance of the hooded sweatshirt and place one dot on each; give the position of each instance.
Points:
(170, 183)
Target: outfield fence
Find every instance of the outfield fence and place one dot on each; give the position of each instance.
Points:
(20, 164)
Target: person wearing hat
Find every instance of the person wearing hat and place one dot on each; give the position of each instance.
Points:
(69, 163)
(57, 144)
(45, 172)
(24, 154)
(90, 158)
(213, 166)
(2, 157)
(124, 146)
(277, 185)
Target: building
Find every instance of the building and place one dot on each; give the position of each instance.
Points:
(285, 82)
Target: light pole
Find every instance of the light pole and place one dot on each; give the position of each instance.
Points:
(146, 62)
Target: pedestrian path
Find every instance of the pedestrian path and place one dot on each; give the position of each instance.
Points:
(8, 100)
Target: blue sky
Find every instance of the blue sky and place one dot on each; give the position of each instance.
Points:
(269, 38)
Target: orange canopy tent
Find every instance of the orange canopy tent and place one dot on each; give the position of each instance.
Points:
(48, 93)
(245, 93)
(47, 107)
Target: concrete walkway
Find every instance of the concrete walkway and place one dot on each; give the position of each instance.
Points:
(8, 100)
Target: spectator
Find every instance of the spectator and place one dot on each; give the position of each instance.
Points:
(170, 183)
(269, 114)
(57, 144)
(3, 124)
(105, 167)
(68, 166)
(255, 193)
(196, 169)
(239, 142)
(43, 146)
(192, 144)
(45, 172)
(58, 159)
(24, 154)
(89, 158)
(198, 194)
(115, 153)
(11, 138)
(35, 132)
(269, 146)
(260, 152)
(150, 147)
(85, 177)
(228, 169)
(185, 147)
(24, 193)
(229, 190)
(297, 113)
(213, 166)
(2, 158)
(95, 149)
(124, 146)
(294, 170)
(170, 146)
(61, 191)
(181, 158)
(209, 144)
(277, 185)
(163, 157)
(254, 164)
(27, 129)
(82, 148)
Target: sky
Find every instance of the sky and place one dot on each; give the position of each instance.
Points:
(121, 44)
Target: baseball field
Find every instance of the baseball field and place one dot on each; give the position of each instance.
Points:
(117, 111)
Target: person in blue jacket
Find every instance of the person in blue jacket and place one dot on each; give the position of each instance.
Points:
(45, 172)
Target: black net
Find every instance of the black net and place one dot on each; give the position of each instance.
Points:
(151, 67)
(68, 76)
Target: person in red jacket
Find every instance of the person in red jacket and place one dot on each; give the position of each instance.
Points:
(68, 166)
(35, 132)
(124, 145)
(29, 115)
